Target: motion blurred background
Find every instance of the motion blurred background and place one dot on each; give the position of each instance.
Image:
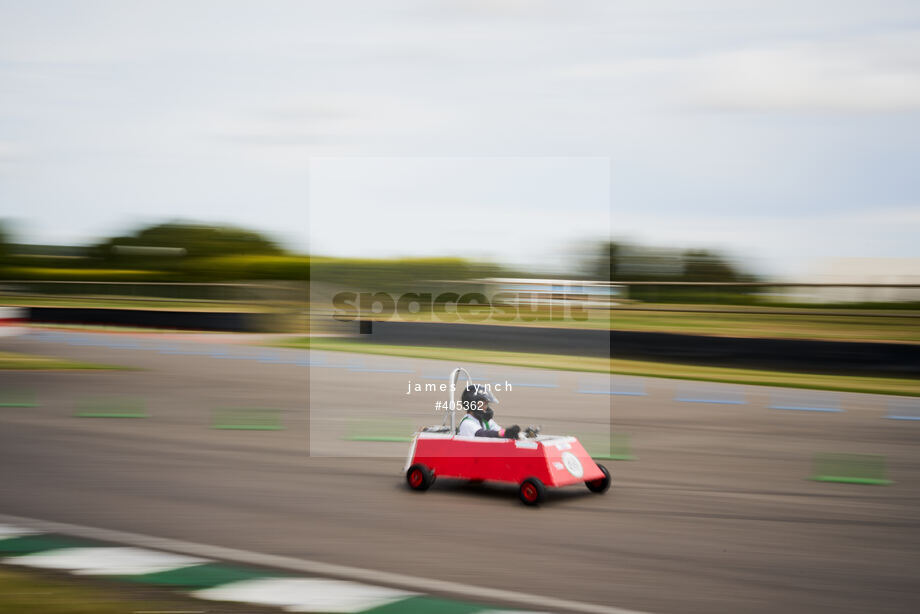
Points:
(677, 221)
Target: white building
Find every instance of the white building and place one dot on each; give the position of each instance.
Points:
(894, 271)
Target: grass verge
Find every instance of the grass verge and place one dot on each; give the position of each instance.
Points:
(15, 361)
(42, 593)
(840, 383)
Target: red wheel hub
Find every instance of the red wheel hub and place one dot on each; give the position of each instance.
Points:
(416, 478)
(530, 493)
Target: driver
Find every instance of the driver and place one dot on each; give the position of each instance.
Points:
(478, 422)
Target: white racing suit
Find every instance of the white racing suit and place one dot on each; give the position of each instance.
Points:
(472, 427)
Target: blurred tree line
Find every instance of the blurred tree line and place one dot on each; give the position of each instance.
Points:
(183, 252)
(621, 261)
(4, 244)
(178, 251)
(193, 241)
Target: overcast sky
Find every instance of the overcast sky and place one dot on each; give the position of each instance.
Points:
(784, 132)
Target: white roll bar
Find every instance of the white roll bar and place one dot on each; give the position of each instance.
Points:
(452, 380)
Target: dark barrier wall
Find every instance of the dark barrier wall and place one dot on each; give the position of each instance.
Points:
(577, 342)
(893, 359)
(191, 320)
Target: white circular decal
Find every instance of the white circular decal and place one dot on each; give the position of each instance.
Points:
(572, 464)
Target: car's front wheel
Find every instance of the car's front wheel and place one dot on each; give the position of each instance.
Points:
(600, 485)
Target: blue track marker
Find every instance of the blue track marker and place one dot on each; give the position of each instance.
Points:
(803, 401)
(804, 408)
(269, 357)
(291, 361)
(711, 400)
(124, 346)
(525, 380)
(715, 394)
(84, 340)
(615, 387)
(313, 363)
(322, 360)
(904, 409)
(611, 392)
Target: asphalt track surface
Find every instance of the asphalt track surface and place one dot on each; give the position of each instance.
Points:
(715, 515)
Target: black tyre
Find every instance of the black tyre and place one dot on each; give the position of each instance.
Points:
(419, 477)
(600, 485)
(532, 491)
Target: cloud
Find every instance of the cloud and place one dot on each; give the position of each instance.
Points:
(12, 154)
(8, 150)
(322, 122)
(877, 73)
(190, 109)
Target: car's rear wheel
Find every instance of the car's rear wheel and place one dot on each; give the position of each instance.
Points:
(532, 491)
(419, 477)
(600, 485)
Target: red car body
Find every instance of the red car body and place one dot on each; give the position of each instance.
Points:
(553, 461)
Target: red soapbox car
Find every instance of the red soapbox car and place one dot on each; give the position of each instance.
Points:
(533, 463)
